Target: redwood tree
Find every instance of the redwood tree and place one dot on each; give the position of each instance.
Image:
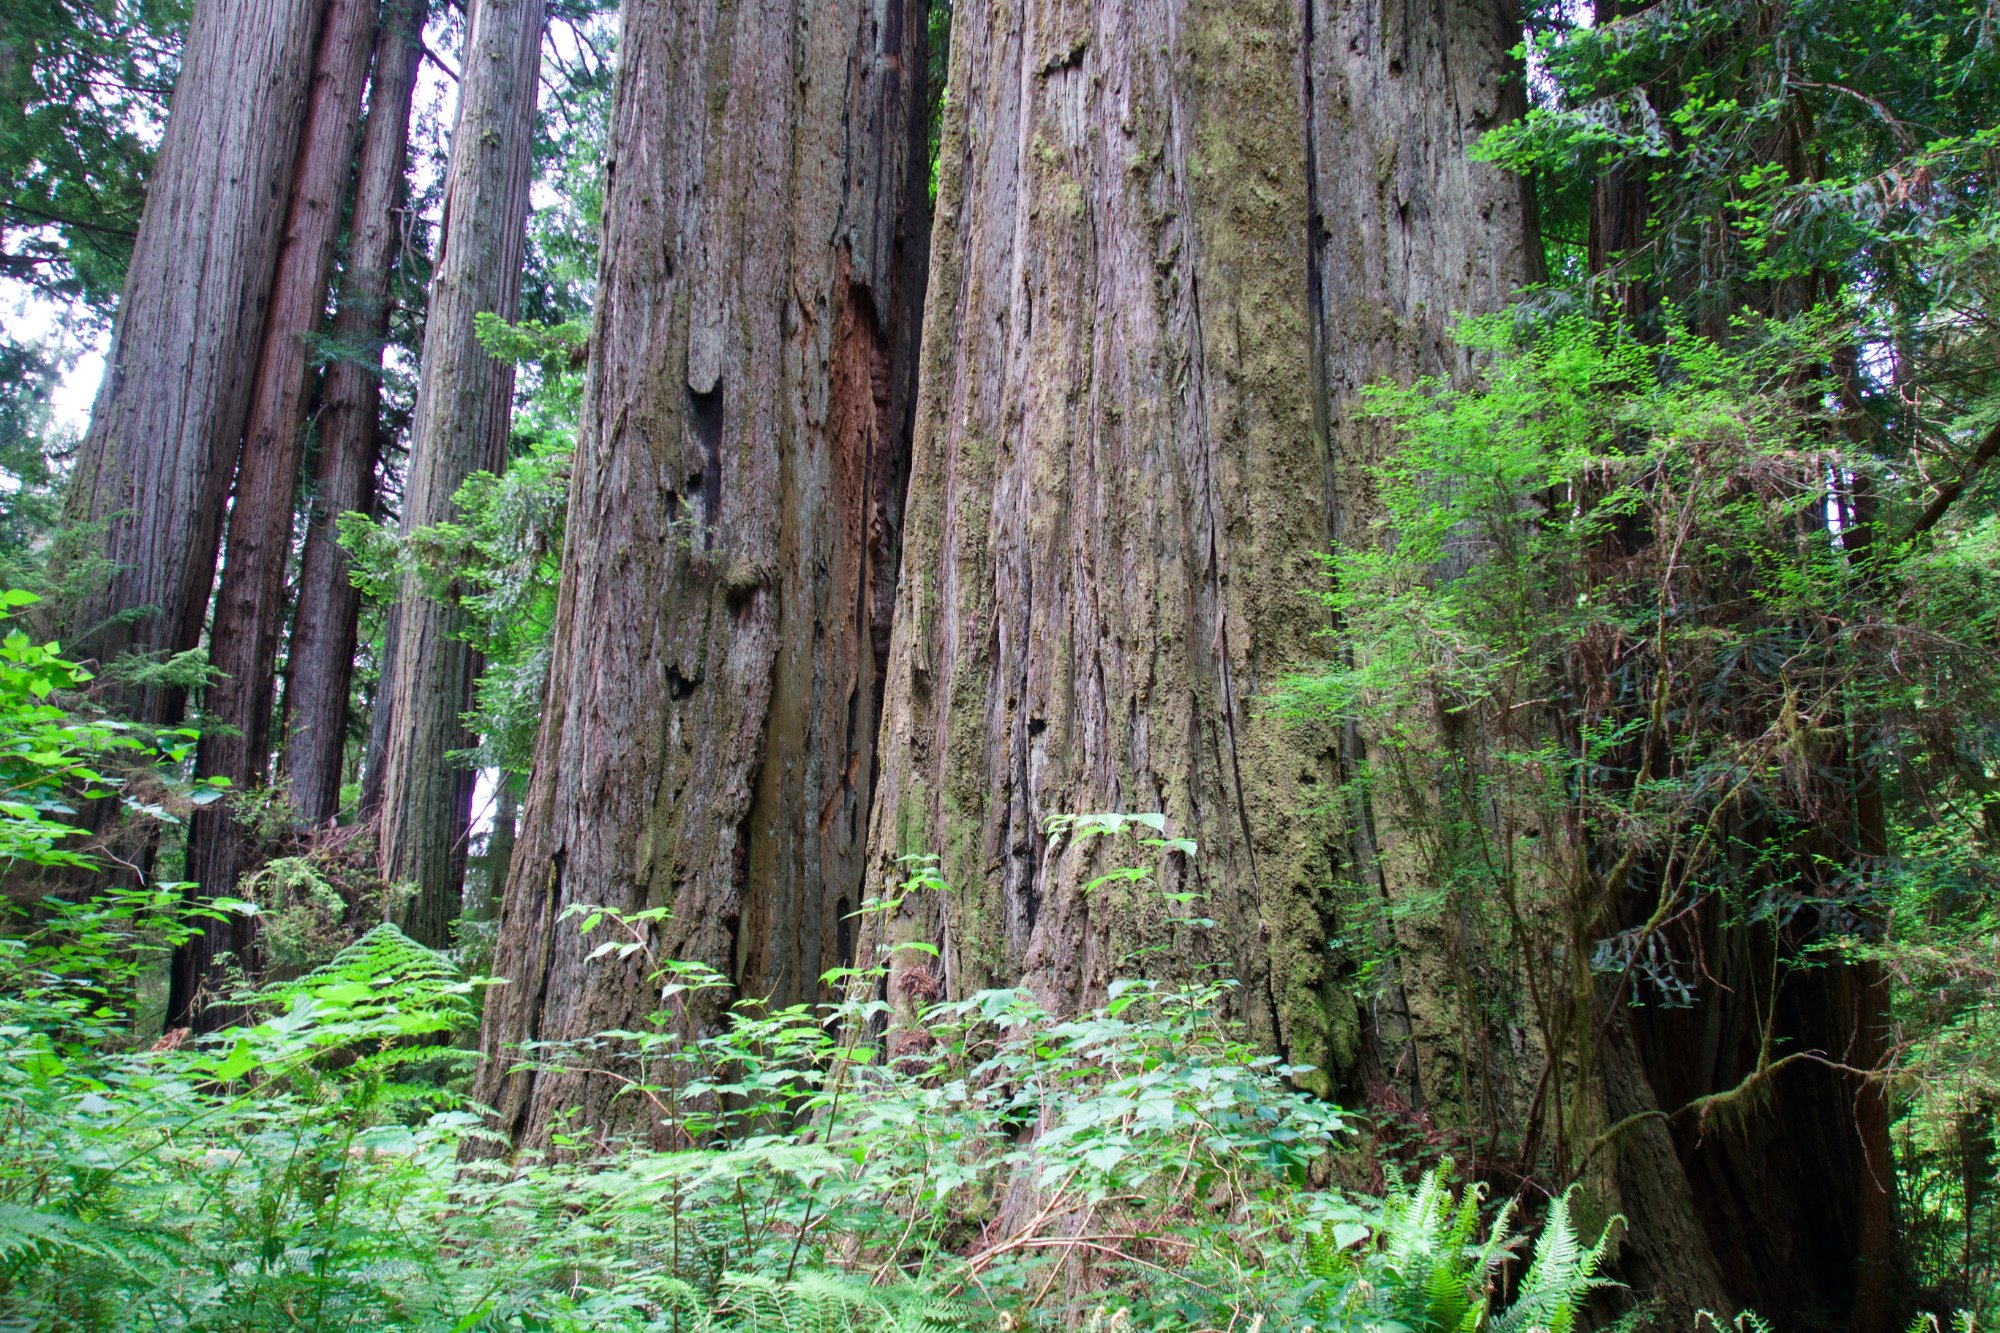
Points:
(146, 498)
(733, 527)
(464, 401)
(319, 659)
(249, 604)
(1116, 502)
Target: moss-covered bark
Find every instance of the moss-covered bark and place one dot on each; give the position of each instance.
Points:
(1116, 502)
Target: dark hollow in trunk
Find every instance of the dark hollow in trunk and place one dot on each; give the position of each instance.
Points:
(733, 525)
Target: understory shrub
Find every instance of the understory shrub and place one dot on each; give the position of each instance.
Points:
(1139, 1166)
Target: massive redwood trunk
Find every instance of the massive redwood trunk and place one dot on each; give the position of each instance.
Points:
(156, 464)
(1116, 502)
(464, 402)
(319, 660)
(249, 605)
(733, 527)
(1408, 234)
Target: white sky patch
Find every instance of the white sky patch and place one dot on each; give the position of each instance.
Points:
(31, 316)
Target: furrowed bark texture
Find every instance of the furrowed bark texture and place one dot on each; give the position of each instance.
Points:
(156, 463)
(464, 402)
(733, 524)
(1115, 504)
(1407, 235)
(319, 668)
(250, 602)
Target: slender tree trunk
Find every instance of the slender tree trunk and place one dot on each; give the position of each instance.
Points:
(376, 753)
(250, 603)
(320, 658)
(733, 531)
(156, 463)
(464, 401)
(499, 850)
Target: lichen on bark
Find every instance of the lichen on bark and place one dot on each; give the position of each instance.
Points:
(1115, 504)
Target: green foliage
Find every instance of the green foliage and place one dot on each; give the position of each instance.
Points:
(1634, 612)
(83, 86)
(937, 51)
(56, 754)
(1418, 1261)
(1822, 137)
(500, 560)
(1137, 1167)
(1698, 167)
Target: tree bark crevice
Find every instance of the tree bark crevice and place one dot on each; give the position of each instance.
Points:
(734, 524)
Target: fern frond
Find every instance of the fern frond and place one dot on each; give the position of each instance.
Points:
(1559, 1278)
(36, 1234)
(822, 1301)
(386, 972)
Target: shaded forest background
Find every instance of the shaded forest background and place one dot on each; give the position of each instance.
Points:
(1097, 580)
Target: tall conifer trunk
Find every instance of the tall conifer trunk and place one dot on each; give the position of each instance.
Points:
(464, 402)
(1115, 507)
(249, 604)
(319, 662)
(156, 463)
(733, 525)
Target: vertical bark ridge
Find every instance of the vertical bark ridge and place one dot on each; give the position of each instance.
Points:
(734, 522)
(249, 603)
(464, 404)
(1407, 235)
(156, 462)
(320, 657)
(1114, 506)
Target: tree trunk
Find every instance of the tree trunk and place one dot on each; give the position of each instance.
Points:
(157, 460)
(375, 755)
(733, 530)
(499, 850)
(1115, 502)
(1408, 234)
(250, 603)
(320, 657)
(464, 401)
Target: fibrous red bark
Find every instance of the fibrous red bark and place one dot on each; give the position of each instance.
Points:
(733, 527)
(155, 466)
(249, 604)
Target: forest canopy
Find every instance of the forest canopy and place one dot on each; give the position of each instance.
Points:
(1175, 665)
